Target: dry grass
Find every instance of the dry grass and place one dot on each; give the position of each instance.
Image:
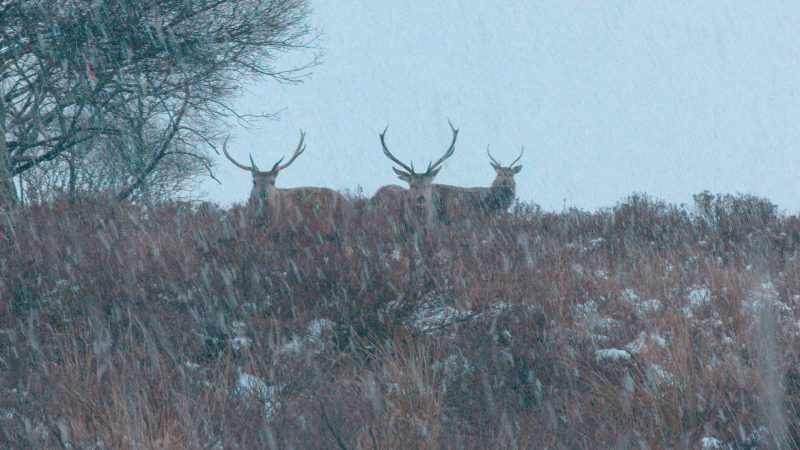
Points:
(178, 327)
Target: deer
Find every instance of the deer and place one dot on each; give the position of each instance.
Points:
(454, 201)
(302, 208)
(414, 205)
(412, 210)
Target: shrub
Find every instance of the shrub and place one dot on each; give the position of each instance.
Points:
(178, 326)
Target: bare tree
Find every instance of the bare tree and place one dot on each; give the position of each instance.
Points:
(156, 75)
(109, 165)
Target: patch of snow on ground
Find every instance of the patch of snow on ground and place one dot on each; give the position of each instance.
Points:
(589, 314)
(612, 355)
(630, 295)
(698, 297)
(711, 443)
(765, 297)
(497, 308)
(317, 328)
(641, 342)
(250, 386)
(647, 307)
(193, 366)
(253, 307)
(659, 340)
(758, 438)
(637, 345)
(313, 341)
(658, 375)
(589, 308)
(239, 343)
(293, 346)
(596, 242)
(430, 317)
(240, 340)
(602, 274)
(605, 323)
(643, 308)
(597, 325)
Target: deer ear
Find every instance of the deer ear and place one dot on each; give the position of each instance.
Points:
(435, 171)
(496, 167)
(402, 175)
(516, 169)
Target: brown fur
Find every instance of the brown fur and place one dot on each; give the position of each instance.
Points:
(453, 203)
(303, 209)
(413, 207)
(394, 204)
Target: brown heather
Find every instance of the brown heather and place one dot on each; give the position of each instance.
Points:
(642, 326)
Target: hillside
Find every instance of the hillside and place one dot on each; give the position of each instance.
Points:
(644, 325)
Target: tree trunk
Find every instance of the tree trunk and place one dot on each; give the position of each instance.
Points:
(73, 176)
(8, 193)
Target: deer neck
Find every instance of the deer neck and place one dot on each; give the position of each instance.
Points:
(501, 197)
(266, 204)
(420, 216)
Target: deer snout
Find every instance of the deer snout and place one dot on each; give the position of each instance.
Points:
(421, 200)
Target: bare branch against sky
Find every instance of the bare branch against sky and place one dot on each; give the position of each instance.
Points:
(72, 75)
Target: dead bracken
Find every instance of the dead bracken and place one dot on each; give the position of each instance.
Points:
(122, 325)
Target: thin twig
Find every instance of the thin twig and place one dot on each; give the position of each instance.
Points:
(327, 422)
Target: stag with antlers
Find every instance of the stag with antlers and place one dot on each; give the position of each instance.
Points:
(308, 209)
(452, 202)
(415, 205)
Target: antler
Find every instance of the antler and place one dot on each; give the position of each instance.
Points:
(297, 152)
(494, 161)
(449, 151)
(389, 155)
(518, 157)
(236, 163)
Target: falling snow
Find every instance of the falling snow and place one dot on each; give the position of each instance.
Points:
(166, 285)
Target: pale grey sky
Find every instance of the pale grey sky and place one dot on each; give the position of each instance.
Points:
(608, 97)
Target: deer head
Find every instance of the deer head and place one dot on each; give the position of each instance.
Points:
(504, 181)
(264, 182)
(419, 196)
